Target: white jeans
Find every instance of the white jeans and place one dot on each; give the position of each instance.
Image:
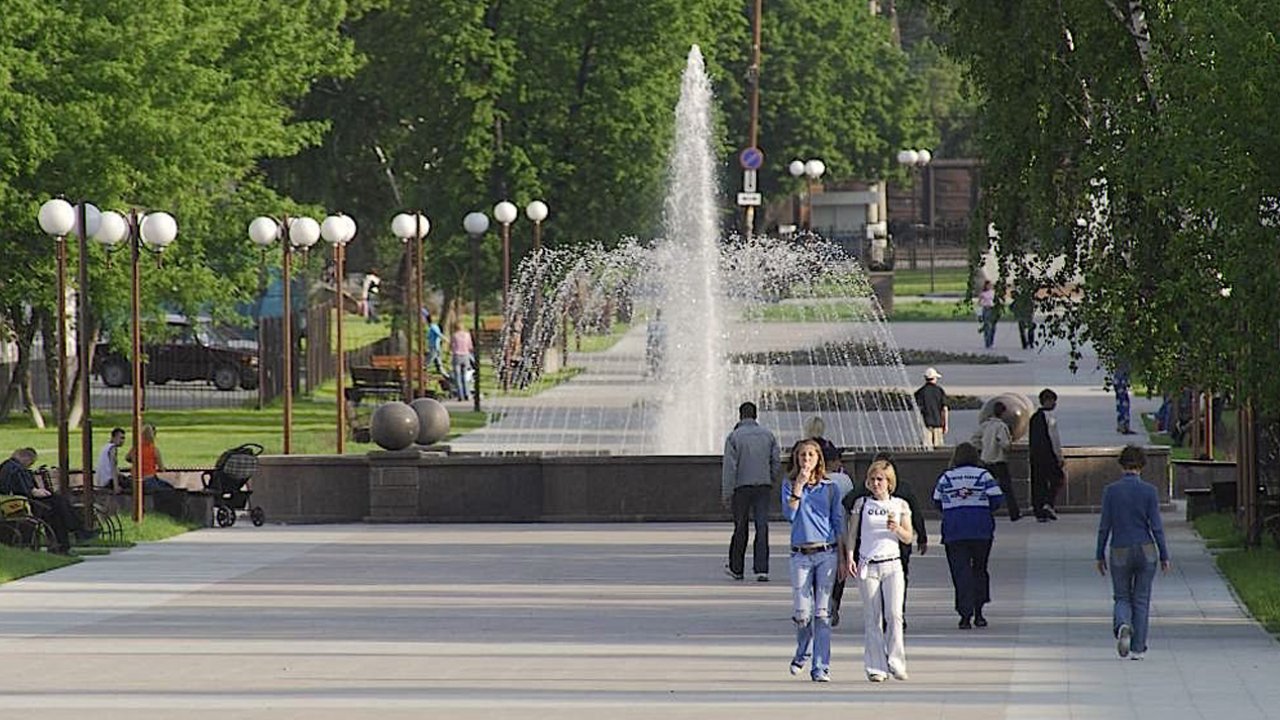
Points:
(883, 591)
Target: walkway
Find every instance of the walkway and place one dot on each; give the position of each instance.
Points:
(572, 621)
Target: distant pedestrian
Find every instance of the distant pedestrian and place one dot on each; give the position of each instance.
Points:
(967, 494)
(876, 528)
(1131, 521)
(461, 355)
(989, 313)
(369, 290)
(1024, 307)
(106, 471)
(148, 462)
(832, 459)
(814, 429)
(1120, 382)
(811, 503)
(1048, 467)
(751, 464)
(994, 438)
(931, 399)
(434, 337)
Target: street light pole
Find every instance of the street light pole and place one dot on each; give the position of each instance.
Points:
(476, 224)
(302, 233)
(914, 160)
(811, 170)
(505, 213)
(338, 230)
(536, 211)
(157, 231)
(413, 227)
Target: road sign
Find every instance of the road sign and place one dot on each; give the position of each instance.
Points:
(751, 158)
(748, 181)
(749, 198)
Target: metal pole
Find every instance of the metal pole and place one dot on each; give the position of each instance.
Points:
(537, 236)
(410, 326)
(475, 339)
(64, 440)
(420, 369)
(506, 287)
(287, 313)
(82, 363)
(753, 74)
(341, 395)
(135, 237)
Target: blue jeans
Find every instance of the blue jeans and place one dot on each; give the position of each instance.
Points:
(750, 500)
(461, 363)
(812, 577)
(988, 327)
(1132, 571)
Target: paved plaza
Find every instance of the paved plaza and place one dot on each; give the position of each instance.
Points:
(591, 621)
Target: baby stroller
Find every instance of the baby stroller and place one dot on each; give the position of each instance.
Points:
(228, 483)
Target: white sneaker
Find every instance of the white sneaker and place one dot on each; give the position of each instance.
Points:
(877, 677)
(1137, 656)
(796, 669)
(899, 674)
(1123, 637)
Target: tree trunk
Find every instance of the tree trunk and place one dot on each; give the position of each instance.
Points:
(20, 379)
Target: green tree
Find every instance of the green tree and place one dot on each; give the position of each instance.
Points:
(1130, 154)
(168, 105)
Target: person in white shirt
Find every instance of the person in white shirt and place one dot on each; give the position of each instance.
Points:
(994, 440)
(874, 528)
(106, 471)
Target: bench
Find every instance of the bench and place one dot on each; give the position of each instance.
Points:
(382, 382)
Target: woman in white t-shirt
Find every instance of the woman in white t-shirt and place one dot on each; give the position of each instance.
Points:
(875, 526)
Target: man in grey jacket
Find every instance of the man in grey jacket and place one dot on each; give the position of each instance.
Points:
(751, 465)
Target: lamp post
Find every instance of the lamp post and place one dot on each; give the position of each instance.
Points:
(913, 160)
(338, 230)
(811, 171)
(412, 227)
(156, 231)
(476, 224)
(300, 233)
(536, 211)
(59, 218)
(505, 213)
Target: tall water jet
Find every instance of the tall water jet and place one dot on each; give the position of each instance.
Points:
(694, 385)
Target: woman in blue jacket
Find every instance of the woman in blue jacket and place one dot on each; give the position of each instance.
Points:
(811, 503)
(1131, 520)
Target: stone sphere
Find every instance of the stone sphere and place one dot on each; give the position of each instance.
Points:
(1017, 412)
(433, 420)
(394, 426)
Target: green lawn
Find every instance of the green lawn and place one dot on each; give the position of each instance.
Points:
(195, 438)
(916, 282)
(1252, 573)
(932, 311)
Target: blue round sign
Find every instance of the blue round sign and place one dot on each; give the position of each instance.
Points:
(751, 158)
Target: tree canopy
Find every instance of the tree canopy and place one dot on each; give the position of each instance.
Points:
(1131, 157)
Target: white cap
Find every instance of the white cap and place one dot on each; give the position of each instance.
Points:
(932, 374)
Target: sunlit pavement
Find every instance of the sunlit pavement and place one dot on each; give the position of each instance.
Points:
(591, 621)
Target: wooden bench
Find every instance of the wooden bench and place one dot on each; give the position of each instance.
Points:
(382, 382)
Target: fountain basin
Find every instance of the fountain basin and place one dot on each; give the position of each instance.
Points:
(414, 486)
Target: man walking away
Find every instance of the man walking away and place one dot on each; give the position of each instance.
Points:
(1048, 468)
(751, 464)
(932, 401)
(995, 440)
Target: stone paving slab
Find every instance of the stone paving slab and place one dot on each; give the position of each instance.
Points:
(589, 621)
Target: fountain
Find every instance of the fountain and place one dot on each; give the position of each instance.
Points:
(792, 326)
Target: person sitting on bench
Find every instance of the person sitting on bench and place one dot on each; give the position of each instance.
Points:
(16, 478)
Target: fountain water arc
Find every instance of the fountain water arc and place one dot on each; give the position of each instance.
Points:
(706, 322)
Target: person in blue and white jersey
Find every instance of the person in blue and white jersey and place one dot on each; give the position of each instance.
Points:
(967, 494)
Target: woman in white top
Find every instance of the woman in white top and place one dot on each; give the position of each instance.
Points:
(875, 526)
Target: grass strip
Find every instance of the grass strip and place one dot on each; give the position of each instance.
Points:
(1251, 572)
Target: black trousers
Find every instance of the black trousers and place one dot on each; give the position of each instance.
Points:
(63, 518)
(1001, 472)
(968, 562)
(1044, 490)
(750, 502)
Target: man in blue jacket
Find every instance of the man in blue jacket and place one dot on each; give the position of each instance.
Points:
(752, 463)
